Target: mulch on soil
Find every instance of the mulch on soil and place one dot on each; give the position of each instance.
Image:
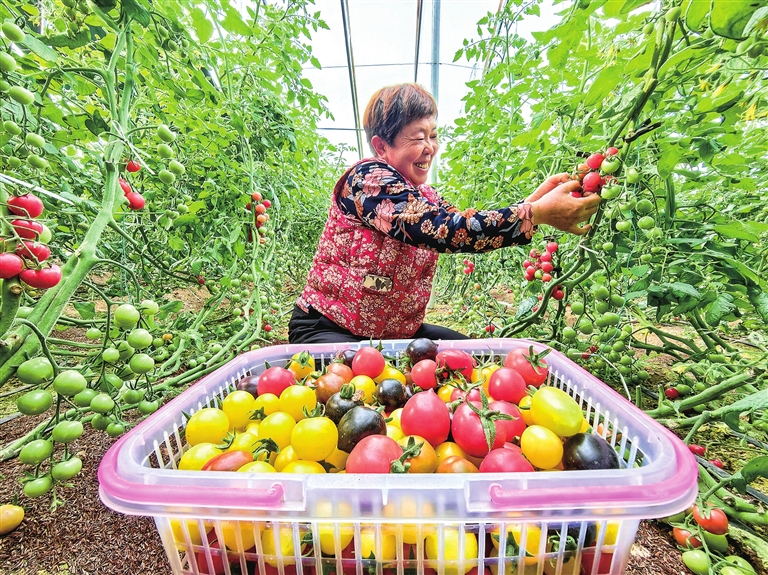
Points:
(83, 537)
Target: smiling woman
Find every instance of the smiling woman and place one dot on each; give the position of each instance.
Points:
(372, 274)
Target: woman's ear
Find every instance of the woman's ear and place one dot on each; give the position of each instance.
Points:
(379, 146)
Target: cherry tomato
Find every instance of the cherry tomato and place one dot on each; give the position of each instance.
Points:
(373, 454)
(43, 278)
(456, 464)
(368, 361)
(301, 364)
(238, 407)
(529, 364)
(296, 400)
(228, 461)
(541, 446)
(468, 432)
(208, 425)
(513, 427)
(711, 519)
(505, 460)
(595, 161)
(448, 550)
(427, 416)
(27, 229)
(697, 561)
(685, 539)
(196, 456)
(132, 166)
(507, 384)
(278, 427)
(425, 461)
(314, 439)
(279, 542)
(33, 251)
(455, 360)
(366, 385)
(275, 380)
(10, 265)
(340, 369)
(554, 409)
(26, 206)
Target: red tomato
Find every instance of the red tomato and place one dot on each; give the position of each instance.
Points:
(368, 361)
(43, 278)
(468, 432)
(504, 460)
(592, 182)
(594, 161)
(424, 374)
(10, 265)
(275, 380)
(135, 200)
(507, 384)
(529, 364)
(33, 250)
(125, 186)
(26, 206)
(427, 416)
(27, 229)
(512, 427)
(373, 454)
(711, 519)
(456, 464)
(228, 461)
(588, 562)
(217, 561)
(471, 395)
(132, 166)
(340, 369)
(685, 539)
(456, 360)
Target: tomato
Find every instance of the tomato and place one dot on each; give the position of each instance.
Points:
(740, 563)
(512, 427)
(595, 161)
(33, 251)
(507, 384)
(278, 427)
(714, 542)
(592, 182)
(391, 393)
(38, 487)
(390, 372)
(448, 550)
(126, 316)
(301, 466)
(685, 539)
(238, 407)
(697, 449)
(269, 403)
(275, 380)
(135, 201)
(197, 455)
(43, 278)
(368, 361)
(448, 449)
(67, 431)
(69, 383)
(65, 470)
(471, 395)
(36, 451)
(697, 560)
(27, 229)
(633, 176)
(35, 402)
(554, 409)
(132, 166)
(141, 363)
(610, 165)
(147, 407)
(455, 361)
(100, 422)
(529, 364)
(208, 425)
(541, 446)
(425, 461)
(297, 400)
(279, 542)
(328, 537)
(165, 133)
(139, 338)
(373, 454)
(102, 403)
(468, 431)
(115, 429)
(228, 461)
(366, 385)
(445, 392)
(301, 364)
(589, 451)
(504, 460)
(456, 464)
(11, 517)
(314, 439)
(340, 369)
(257, 467)
(329, 384)
(711, 519)
(427, 416)
(10, 265)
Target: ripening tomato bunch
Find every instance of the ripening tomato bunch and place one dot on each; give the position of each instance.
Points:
(259, 206)
(539, 266)
(598, 171)
(361, 414)
(29, 245)
(135, 199)
(469, 266)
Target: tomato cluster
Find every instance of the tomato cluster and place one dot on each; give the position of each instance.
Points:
(135, 199)
(259, 206)
(28, 244)
(440, 412)
(469, 266)
(539, 266)
(598, 171)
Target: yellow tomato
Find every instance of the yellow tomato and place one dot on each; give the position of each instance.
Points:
(585, 426)
(193, 530)
(297, 399)
(368, 550)
(285, 457)
(394, 432)
(258, 467)
(394, 417)
(409, 508)
(611, 532)
(448, 449)
(302, 466)
(253, 427)
(277, 427)
(525, 409)
(532, 541)
(301, 364)
(238, 406)
(328, 538)
(366, 385)
(197, 456)
(246, 531)
(444, 392)
(390, 372)
(450, 551)
(208, 425)
(244, 441)
(279, 543)
(425, 461)
(338, 459)
(268, 402)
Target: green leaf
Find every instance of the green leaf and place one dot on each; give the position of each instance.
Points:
(203, 26)
(757, 467)
(759, 299)
(670, 156)
(132, 9)
(752, 402)
(234, 23)
(80, 39)
(734, 264)
(696, 14)
(526, 306)
(40, 49)
(732, 420)
(720, 308)
(169, 308)
(605, 82)
(176, 243)
(735, 230)
(86, 310)
(729, 18)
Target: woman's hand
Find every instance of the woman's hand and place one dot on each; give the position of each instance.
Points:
(553, 204)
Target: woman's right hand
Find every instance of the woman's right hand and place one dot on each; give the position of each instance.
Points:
(554, 205)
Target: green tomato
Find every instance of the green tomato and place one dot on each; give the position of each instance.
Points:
(115, 429)
(644, 206)
(569, 334)
(142, 363)
(602, 306)
(633, 176)
(166, 177)
(100, 422)
(13, 32)
(67, 431)
(34, 140)
(147, 407)
(83, 399)
(35, 371)
(673, 14)
(126, 316)
(585, 326)
(132, 396)
(602, 293)
(7, 63)
(624, 225)
(607, 246)
(695, 559)
(611, 318)
(165, 151)
(38, 487)
(69, 383)
(617, 300)
(12, 128)
(35, 402)
(102, 403)
(93, 333)
(110, 382)
(21, 95)
(165, 133)
(139, 338)
(125, 350)
(110, 355)
(176, 167)
(35, 452)
(65, 470)
(577, 308)
(610, 165)
(646, 223)
(741, 563)
(149, 307)
(714, 542)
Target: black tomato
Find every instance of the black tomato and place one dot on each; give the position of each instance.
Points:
(357, 423)
(589, 451)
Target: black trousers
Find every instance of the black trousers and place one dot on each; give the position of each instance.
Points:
(314, 327)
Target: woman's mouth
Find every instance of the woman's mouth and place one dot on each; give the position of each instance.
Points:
(422, 165)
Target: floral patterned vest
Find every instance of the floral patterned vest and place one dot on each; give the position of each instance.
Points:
(365, 281)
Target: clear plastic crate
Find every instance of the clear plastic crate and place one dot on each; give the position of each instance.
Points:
(552, 523)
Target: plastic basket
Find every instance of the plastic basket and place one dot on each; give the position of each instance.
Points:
(564, 523)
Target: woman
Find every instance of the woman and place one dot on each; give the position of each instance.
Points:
(372, 274)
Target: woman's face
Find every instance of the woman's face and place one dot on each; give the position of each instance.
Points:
(413, 150)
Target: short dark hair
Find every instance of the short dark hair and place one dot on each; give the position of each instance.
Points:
(392, 108)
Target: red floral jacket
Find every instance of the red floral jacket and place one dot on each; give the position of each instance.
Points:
(376, 259)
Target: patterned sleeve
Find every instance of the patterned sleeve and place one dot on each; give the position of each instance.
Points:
(381, 198)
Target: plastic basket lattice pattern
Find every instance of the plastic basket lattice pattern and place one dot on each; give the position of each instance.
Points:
(510, 523)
